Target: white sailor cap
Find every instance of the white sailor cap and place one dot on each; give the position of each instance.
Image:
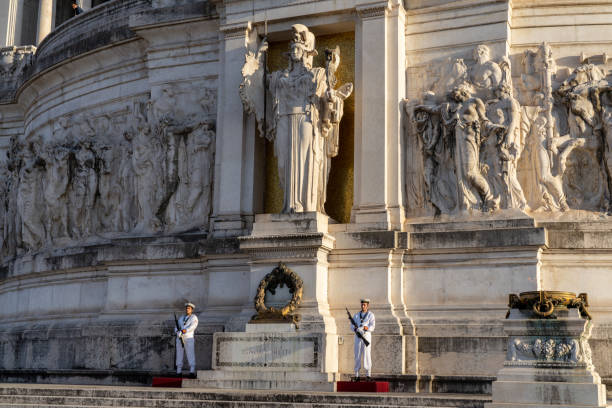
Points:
(190, 305)
(366, 300)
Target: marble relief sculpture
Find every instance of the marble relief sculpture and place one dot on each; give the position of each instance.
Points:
(300, 109)
(546, 149)
(86, 176)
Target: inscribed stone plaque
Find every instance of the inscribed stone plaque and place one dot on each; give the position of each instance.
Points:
(279, 351)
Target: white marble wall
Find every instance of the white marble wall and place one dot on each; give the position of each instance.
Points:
(443, 283)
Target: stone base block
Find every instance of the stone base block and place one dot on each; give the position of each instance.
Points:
(267, 361)
(263, 380)
(283, 224)
(268, 351)
(547, 394)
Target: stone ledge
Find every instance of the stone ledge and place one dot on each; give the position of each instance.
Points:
(485, 238)
(44, 376)
(132, 249)
(174, 14)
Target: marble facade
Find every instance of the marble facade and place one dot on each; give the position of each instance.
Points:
(134, 142)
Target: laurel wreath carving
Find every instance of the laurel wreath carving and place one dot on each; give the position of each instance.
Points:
(280, 276)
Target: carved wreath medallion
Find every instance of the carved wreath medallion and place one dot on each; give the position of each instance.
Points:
(280, 276)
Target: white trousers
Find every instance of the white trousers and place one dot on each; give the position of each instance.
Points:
(189, 350)
(362, 350)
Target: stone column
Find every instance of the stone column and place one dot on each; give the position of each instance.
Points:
(380, 88)
(86, 4)
(236, 166)
(45, 19)
(8, 20)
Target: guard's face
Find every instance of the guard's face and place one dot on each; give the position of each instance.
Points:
(364, 307)
(188, 310)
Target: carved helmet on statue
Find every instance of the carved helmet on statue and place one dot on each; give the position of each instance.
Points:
(306, 40)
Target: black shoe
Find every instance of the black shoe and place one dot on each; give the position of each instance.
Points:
(354, 379)
(368, 378)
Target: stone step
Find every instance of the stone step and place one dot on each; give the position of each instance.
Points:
(140, 397)
(263, 380)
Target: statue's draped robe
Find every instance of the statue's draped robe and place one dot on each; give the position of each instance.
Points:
(298, 143)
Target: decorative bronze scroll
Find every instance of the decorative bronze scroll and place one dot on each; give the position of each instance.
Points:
(543, 303)
(280, 276)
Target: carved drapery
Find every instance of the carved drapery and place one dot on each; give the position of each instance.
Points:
(299, 109)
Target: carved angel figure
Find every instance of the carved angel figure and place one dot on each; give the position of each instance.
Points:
(303, 111)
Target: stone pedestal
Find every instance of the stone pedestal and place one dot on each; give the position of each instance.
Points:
(268, 356)
(548, 363)
(282, 356)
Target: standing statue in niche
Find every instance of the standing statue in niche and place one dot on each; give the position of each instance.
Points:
(299, 101)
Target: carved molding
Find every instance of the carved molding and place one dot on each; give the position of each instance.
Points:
(373, 11)
(239, 30)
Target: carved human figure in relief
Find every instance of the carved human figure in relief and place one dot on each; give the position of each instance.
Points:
(506, 111)
(82, 192)
(485, 75)
(57, 176)
(465, 117)
(542, 151)
(147, 154)
(29, 198)
(603, 103)
(298, 96)
(585, 138)
(4, 194)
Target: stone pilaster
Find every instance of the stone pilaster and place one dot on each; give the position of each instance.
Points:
(301, 241)
(236, 184)
(380, 87)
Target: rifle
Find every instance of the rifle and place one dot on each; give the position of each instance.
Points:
(179, 330)
(357, 332)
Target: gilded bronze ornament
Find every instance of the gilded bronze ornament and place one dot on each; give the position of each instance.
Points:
(544, 303)
(280, 276)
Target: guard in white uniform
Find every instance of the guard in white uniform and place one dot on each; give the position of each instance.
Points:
(188, 324)
(365, 320)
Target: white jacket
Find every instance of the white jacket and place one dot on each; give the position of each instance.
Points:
(189, 324)
(365, 319)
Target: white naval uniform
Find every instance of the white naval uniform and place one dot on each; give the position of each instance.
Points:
(189, 324)
(363, 319)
